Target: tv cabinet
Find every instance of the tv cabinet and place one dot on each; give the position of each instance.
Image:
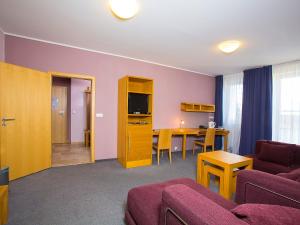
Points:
(134, 130)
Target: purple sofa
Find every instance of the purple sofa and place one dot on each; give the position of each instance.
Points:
(182, 201)
(276, 157)
(255, 186)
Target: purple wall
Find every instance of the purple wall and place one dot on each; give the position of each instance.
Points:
(2, 46)
(171, 86)
(78, 109)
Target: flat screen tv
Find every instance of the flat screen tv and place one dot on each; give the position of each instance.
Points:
(137, 103)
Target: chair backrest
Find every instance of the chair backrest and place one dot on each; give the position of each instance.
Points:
(164, 139)
(210, 136)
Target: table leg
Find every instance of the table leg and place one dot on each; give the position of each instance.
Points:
(200, 167)
(249, 166)
(225, 142)
(184, 147)
(227, 182)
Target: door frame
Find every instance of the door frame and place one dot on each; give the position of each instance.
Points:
(92, 113)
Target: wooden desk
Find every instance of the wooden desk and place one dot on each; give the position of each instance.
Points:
(184, 132)
(3, 204)
(225, 160)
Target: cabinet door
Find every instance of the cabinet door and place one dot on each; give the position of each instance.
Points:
(139, 143)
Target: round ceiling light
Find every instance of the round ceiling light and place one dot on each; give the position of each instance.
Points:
(229, 46)
(124, 9)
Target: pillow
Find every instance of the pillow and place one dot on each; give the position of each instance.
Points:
(267, 214)
(280, 154)
(293, 175)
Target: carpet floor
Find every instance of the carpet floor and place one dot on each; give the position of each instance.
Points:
(89, 194)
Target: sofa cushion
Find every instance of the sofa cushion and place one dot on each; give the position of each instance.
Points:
(293, 175)
(259, 144)
(281, 154)
(269, 167)
(267, 214)
(144, 202)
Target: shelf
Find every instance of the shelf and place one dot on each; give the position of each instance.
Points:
(141, 92)
(140, 85)
(139, 115)
(197, 107)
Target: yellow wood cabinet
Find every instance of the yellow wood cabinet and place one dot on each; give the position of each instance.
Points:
(134, 130)
(3, 204)
(197, 107)
(139, 142)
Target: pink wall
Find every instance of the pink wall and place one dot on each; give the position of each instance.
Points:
(2, 46)
(78, 109)
(171, 86)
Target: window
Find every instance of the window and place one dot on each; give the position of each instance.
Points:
(286, 102)
(232, 108)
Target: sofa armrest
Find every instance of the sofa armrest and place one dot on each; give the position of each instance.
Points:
(183, 205)
(255, 186)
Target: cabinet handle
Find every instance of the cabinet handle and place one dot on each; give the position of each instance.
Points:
(129, 143)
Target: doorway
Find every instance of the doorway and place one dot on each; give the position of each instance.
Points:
(72, 109)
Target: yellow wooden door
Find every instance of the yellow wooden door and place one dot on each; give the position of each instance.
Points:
(25, 131)
(59, 115)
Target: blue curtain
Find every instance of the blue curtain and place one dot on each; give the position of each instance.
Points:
(257, 108)
(219, 108)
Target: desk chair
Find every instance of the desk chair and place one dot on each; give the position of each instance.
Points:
(209, 140)
(164, 143)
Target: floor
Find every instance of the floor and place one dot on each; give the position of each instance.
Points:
(87, 194)
(70, 154)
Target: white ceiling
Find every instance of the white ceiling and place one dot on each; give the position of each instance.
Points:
(178, 33)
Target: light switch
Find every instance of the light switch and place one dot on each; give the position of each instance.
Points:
(99, 115)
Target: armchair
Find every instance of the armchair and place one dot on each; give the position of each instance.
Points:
(255, 186)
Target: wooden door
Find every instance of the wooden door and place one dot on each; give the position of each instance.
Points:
(139, 142)
(59, 114)
(25, 99)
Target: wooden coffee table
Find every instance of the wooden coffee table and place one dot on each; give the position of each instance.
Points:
(228, 162)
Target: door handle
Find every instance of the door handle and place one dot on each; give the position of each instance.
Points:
(4, 120)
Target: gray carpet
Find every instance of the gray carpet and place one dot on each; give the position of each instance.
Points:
(90, 194)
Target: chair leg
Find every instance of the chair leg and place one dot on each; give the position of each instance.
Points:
(170, 156)
(204, 148)
(157, 156)
(213, 148)
(194, 148)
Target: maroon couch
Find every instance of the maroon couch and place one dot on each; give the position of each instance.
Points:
(182, 201)
(276, 157)
(255, 186)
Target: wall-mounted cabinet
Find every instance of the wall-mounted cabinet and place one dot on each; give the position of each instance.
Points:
(135, 96)
(197, 107)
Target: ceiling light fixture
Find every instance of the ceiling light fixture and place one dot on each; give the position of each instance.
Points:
(229, 46)
(124, 9)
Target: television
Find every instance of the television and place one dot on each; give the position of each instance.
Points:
(137, 103)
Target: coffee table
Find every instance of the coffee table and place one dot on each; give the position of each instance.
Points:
(228, 162)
